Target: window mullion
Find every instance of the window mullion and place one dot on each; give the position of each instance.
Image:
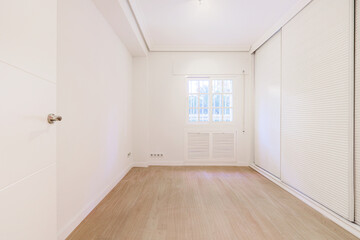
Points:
(210, 99)
(198, 107)
(222, 102)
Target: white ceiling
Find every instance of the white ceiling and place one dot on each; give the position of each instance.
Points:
(180, 25)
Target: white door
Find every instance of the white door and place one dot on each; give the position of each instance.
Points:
(27, 141)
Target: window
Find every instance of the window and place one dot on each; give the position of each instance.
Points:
(210, 100)
(199, 94)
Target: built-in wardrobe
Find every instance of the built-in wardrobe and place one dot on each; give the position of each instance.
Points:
(307, 105)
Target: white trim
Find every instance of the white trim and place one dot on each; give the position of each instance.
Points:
(352, 112)
(139, 17)
(282, 22)
(133, 24)
(140, 164)
(141, 23)
(165, 163)
(118, 14)
(142, 28)
(220, 163)
(67, 230)
(200, 163)
(200, 48)
(342, 222)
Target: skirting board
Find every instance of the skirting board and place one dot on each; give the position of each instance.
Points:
(67, 230)
(347, 225)
(170, 163)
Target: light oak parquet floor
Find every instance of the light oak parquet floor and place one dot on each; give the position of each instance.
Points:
(203, 203)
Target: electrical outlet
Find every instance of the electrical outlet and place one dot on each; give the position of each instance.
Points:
(157, 155)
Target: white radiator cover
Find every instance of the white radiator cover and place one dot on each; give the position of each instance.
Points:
(317, 104)
(223, 146)
(267, 105)
(198, 146)
(217, 147)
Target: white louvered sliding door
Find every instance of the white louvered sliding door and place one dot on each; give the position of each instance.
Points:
(267, 105)
(317, 104)
(357, 112)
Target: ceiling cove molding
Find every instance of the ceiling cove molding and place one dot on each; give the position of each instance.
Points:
(282, 22)
(140, 19)
(119, 16)
(200, 48)
(141, 23)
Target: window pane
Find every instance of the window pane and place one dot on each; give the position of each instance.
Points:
(216, 101)
(227, 98)
(193, 86)
(227, 86)
(216, 115)
(204, 101)
(228, 114)
(193, 101)
(204, 86)
(193, 115)
(217, 86)
(204, 115)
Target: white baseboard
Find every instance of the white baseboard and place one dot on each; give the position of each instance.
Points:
(242, 164)
(165, 163)
(65, 232)
(347, 225)
(220, 164)
(200, 163)
(140, 164)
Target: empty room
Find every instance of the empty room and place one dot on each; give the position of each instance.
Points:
(179, 119)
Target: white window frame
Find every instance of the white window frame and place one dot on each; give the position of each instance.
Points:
(210, 108)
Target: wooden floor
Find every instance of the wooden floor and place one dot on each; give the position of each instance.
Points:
(203, 203)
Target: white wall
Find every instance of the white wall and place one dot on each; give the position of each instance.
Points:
(140, 110)
(160, 102)
(94, 98)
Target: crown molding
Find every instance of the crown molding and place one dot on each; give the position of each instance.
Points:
(140, 19)
(141, 23)
(142, 27)
(119, 16)
(200, 48)
(281, 23)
